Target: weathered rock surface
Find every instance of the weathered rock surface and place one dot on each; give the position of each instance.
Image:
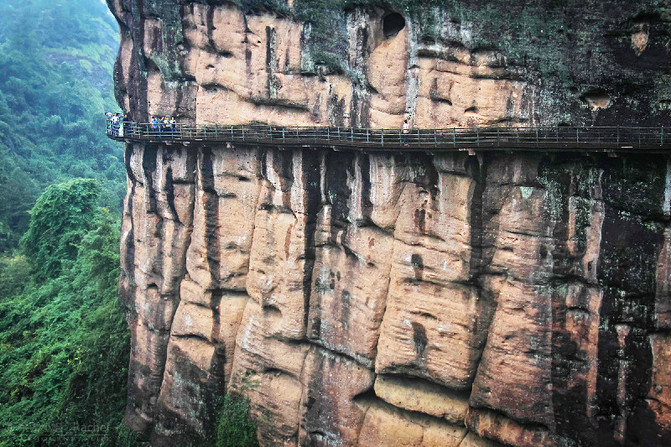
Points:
(445, 64)
(517, 299)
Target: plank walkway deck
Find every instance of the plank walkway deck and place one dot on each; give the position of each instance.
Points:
(581, 139)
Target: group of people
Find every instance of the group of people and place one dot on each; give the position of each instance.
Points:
(163, 125)
(117, 123)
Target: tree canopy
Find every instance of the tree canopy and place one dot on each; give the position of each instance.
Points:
(64, 342)
(56, 60)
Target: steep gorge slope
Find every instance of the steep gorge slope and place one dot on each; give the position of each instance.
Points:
(361, 299)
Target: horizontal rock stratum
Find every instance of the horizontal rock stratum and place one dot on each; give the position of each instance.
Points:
(416, 299)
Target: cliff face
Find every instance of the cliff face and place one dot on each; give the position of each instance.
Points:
(394, 299)
(373, 299)
(488, 62)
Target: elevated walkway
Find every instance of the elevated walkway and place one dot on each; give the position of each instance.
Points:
(544, 139)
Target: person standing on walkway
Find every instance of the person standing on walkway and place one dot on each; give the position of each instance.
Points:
(406, 130)
(115, 124)
(154, 125)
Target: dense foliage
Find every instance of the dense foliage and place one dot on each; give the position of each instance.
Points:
(64, 344)
(233, 426)
(56, 60)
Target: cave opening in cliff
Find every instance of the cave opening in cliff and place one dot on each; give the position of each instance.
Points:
(392, 24)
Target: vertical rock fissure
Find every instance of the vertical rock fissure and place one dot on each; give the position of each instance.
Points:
(311, 182)
(412, 71)
(359, 55)
(478, 171)
(211, 209)
(136, 84)
(475, 220)
(627, 273)
(129, 267)
(272, 83)
(570, 399)
(149, 163)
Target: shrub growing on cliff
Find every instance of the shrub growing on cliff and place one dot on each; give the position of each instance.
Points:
(233, 426)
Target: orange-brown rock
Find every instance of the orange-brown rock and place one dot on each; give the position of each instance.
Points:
(395, 298)
(416, 300)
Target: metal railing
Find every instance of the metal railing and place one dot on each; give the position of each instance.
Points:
(541, 138)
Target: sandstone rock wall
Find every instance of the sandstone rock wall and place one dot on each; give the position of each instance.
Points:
(445, 64)
(398, 299)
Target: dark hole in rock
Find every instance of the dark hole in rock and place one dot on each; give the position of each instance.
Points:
(392, 24)
(419, 337)
(596, 99)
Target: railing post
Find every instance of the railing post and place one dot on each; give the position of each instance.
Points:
(454, 136)
(328, 134)
(283, 135)
(351, 134)
(243, 132)
(618, 135)
(639, 136)
(435, 137)
(577, 136)
(477, 136)
(367, 135)
(382, 137)
(536, 137)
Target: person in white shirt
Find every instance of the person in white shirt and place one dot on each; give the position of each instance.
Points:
(406, 130)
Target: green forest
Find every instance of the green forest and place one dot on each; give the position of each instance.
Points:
(56, 60)
(64, 342)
